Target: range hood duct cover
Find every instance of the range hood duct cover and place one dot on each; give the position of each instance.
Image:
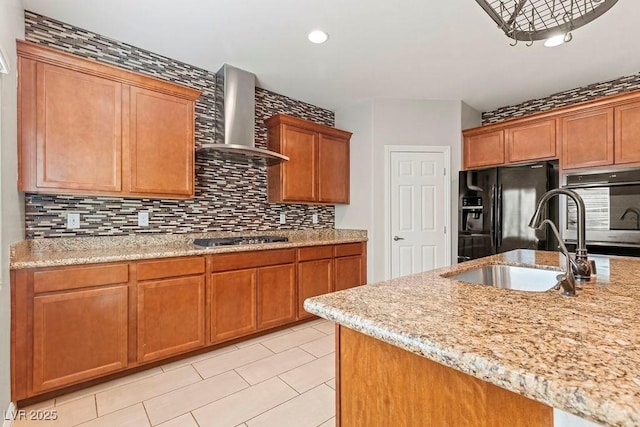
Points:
(235, 97)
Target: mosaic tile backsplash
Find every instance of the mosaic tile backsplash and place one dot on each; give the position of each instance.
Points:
(568, 97)
(230, 195)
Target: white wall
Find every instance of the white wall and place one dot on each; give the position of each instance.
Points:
(11, 215)
(382, 122)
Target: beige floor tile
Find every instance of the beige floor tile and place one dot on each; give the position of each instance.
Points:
(308, 324)
(248, 403)
(309, 409)
(170, 405)
(108, 385)
(200, 357)
(228, 361)
(274, 365)
(138, 391)
(331, 383)
(312, 374)
(132, 416)
(185, 420)
(326, 327)
(330, 423)
(293, 339)
(321, 346)
(263, 338)
(68, 414)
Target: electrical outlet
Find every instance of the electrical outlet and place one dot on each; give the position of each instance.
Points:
(314, 218)
(73, 220)
(283, 218)
(143, 219)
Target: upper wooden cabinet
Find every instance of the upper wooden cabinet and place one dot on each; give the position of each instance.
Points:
(93, 129)
(587, 139)
(318, 169)
(531, 141)
(627, 133)
(514, 144)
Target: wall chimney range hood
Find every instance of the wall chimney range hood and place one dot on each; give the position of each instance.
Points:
(235, 97)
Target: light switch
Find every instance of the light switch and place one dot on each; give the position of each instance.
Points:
(314, 218)
(143, 219)
(283, 218)
(73, 220)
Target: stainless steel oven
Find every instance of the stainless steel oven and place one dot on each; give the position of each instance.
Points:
(612, 201)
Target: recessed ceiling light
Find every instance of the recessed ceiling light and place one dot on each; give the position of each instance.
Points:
(557, 40)
(318, 36)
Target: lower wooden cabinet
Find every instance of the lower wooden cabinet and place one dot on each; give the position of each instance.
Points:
(276, 292)
(78, 323)
(233, 304)
(170, 317)
(78, 335)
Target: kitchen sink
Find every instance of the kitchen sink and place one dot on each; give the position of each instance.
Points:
(511, 277)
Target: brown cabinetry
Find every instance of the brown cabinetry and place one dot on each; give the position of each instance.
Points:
(78, 323)
(318, 167)
(90, 128)
(80, 326)
(587, 139)
(349, 266)
(485, 149)
(251, 291)
(531, 141)
(627, 133)
(170, 308)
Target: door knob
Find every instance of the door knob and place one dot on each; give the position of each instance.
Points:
(396, 238)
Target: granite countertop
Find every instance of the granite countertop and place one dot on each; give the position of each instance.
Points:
(581, 355)
(89, 250)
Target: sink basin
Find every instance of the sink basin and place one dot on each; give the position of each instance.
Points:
(511, 277)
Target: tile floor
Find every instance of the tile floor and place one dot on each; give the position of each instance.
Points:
(282, 379)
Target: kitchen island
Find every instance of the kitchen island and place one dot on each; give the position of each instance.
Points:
(578, 354)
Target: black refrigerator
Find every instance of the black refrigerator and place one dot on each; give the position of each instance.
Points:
(495, 206)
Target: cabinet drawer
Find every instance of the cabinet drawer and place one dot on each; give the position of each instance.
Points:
(348, 249)
(79, 277)
(149, 270)
(235, 261)
(315, 252)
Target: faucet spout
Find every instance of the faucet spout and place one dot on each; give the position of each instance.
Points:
(567, 281)
(581, 265)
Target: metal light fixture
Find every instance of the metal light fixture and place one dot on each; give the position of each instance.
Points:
(532, 20)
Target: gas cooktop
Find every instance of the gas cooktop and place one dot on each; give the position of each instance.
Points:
(240, 240)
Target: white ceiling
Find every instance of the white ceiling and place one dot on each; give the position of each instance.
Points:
(421, 49)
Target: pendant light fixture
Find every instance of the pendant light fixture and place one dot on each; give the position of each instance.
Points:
(550, 20)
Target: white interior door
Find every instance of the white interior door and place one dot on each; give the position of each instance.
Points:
(419, 202)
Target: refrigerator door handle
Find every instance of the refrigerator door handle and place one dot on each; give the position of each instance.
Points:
(499, 218)
(493, 216)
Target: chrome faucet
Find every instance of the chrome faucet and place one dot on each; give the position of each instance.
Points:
(566, 281)
(581, 265)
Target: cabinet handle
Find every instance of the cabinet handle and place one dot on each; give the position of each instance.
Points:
(396, 238)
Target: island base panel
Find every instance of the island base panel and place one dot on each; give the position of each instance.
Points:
(380, 384)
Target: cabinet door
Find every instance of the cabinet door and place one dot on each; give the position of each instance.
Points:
(78, 131)
(627, 142)
(161, 144)
(587, 139)
(486, 149)
(531, 141)
(233, 304)
(348, 272)
(170, 317)
(78, 335)
(333, 170)
(299, 173)
(314, 278)
(276, 295)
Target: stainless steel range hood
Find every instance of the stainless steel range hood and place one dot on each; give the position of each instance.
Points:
(236, 137)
